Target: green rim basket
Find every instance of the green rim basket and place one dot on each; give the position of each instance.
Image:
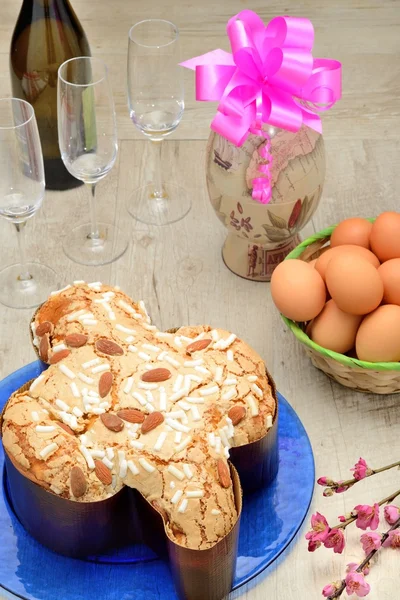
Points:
(377, 378)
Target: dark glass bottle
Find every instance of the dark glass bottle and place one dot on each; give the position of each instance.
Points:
(46, 34)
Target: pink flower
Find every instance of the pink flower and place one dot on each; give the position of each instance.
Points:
(318, 533)
(342, 518)
(367, 516)
(335, 540)
(329, 590)
(313, 545)
(370, 541)
(356, 584)
(392, 514)
(328, 492)
(342, 488)
(361, 469)
(393, 540)
(351, 567)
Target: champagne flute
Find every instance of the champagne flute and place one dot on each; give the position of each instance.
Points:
(156, 105)
(22, 184)
(87, 136)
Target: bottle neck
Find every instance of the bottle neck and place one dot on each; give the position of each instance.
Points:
(45, 4)
(50, 9)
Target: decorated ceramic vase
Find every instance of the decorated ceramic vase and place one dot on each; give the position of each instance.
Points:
(261, 235)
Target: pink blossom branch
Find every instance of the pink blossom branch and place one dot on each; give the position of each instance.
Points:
(365, 562)
(354, 516)
(350, 482)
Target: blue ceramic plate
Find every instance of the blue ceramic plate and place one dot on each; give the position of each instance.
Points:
(270, 520)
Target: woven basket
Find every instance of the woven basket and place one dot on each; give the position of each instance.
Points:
(376, 378)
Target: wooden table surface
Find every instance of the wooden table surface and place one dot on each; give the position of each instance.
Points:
(178, 270)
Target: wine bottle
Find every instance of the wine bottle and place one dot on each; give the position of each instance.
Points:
(46, 34)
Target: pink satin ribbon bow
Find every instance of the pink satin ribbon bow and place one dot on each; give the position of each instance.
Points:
(271, 76)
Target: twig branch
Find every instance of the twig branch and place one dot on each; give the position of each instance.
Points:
(349, 482)
(366, 560)
(353, 518)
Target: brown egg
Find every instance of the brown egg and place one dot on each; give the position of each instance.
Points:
(378, 337)
(389, 272)
(297, 290)
(354, 284)
(385, 236)
(354, 231)
(347, 249)
(335, 329)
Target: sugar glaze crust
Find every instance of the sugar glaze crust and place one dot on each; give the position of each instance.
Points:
(161, 426)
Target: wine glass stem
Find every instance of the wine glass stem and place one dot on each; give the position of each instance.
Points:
(25, 275)
(94, 233)
(158, 186)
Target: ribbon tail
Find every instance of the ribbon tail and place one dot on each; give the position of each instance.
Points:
(215, 57)
(233, 128)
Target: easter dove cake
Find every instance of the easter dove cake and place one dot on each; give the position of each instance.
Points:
(124, 404)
